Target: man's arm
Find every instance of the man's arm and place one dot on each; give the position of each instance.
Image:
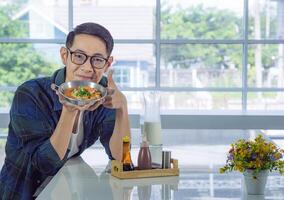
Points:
(67, 124)
(30, 125)
(62, 133)
(121, 129)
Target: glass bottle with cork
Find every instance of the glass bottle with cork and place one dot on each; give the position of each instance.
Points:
(126, 158)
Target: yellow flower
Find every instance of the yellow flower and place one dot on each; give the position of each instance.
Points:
(257, 154)
(277, 156)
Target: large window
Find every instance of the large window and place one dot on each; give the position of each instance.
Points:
(202, 55)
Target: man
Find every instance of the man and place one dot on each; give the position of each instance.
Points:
(45, 131)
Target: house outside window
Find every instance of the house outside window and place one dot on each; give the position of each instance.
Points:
(122, 76)
(201, 55)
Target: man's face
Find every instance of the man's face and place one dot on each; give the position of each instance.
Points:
(90, 46)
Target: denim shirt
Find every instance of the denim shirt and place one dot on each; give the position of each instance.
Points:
(30, 157)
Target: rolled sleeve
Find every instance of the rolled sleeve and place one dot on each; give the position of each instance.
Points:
(34, 139)
(31, 130)
(46, 159)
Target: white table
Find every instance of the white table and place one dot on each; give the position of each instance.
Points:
(82, 178)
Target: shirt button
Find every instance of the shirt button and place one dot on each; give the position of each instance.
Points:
(38, 181)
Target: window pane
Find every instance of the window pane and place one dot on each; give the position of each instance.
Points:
(266, 19)
(6, 98)
(265, 65)
(125, 19)
(183, 102)
(201, 65)
(134, 65)
(21, 62)
(204, 146)
(186, 101)
(35, 19)
(213, 19)
(2, 150)
(270, 101)
(134, 101)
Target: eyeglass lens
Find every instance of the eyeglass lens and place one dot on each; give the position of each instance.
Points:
(80, 58)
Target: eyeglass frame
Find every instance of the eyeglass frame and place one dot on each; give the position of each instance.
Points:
(87, 57)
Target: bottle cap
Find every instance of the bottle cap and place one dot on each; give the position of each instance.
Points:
(126, 139)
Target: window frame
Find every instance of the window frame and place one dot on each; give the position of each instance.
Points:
(260, 119)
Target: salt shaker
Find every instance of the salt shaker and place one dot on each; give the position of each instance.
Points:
(166, 159)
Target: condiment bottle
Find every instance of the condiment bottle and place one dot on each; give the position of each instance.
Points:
(144, 156)
(126, 159)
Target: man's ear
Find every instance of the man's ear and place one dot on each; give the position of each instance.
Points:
(63, 55)
(108, 64)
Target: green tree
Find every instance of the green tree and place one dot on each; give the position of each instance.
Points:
(18, 61)
(200, 23)
(197, 22)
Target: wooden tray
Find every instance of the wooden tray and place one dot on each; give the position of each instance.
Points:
(117, 171)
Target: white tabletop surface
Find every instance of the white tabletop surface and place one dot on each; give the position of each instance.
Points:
(83, 178)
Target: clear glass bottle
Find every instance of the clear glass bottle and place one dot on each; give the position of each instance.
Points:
(152, 119)
(126, 158)
(152, 126)
(144, 157)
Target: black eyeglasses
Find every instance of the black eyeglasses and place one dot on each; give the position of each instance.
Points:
(79, 58)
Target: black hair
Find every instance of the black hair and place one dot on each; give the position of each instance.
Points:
(94, 29)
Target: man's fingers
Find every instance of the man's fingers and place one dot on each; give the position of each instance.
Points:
(108, 98)
(108, 105)
(96, 105)
(110, 91)
(61, 100)
(111, 83)
(54, 87)
(82, 108)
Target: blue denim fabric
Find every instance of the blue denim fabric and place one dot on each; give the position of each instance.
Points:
(34, 114)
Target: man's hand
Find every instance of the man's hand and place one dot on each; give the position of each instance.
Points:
(114, 99)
